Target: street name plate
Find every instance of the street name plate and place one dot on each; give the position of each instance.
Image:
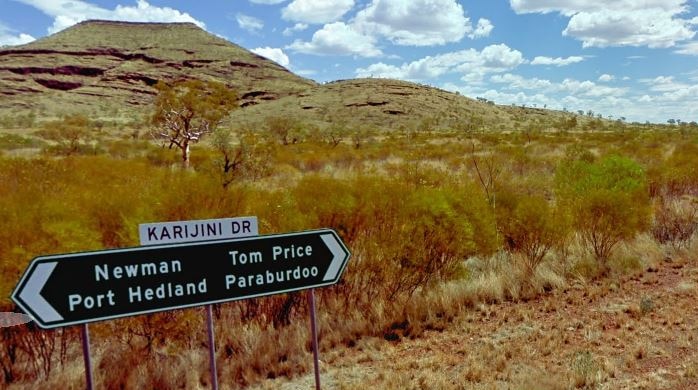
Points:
(199, 230)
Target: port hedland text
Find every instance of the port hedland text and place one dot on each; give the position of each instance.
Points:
(166, 290)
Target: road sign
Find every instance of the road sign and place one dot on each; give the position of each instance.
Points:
(77, 288)
(201, 230)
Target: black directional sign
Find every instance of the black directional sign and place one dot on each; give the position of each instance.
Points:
(84, 287)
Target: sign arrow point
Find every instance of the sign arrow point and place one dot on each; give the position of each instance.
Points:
(31, 293)
(338, 256)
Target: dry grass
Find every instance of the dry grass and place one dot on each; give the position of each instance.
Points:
(481, 321)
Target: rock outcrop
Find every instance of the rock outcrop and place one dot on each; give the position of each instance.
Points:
(106, 65)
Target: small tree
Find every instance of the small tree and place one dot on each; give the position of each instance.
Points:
(284, 128)
(533, 228)
(187, 110)
(240, 154)
(608, 199)
(335, 133)
(69, 133)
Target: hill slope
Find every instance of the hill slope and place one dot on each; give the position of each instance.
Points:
(99, 66)
(107, 69)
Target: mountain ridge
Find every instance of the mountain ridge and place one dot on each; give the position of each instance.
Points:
(108, 69)
(121, 61)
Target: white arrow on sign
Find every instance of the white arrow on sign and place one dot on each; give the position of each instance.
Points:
(32, 293)
(338, 256)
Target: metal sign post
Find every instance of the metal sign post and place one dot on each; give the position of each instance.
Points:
(313, 334)
(211, 347)
(86, 356)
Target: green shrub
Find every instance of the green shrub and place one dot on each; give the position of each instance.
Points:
(608, 200)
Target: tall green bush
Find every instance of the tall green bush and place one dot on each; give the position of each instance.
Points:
(608, 200)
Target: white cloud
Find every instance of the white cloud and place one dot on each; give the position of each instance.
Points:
(337, 39)
(568, 86)
(306, 72)
(382, 70)
(316, 11)
(415, 22)
(288, 31)
(275, 54)
(664, 84)
(499, 58)
(587, 88)
(517, 98)
(518, 82)
(651, 27)
(688, 93)
(470, 62)
(690, 49)
(520, 98)
(10, 37)
(671, 97)
(558, 61)
(69, 12)
(553, 97)
(13, 40)
(602, 23)
(570, 7)
(267, 1)
(249, 23)
(674, 93)
(483, 29)
(606, 78)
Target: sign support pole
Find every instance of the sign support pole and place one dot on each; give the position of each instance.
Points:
(86, 356)
(313, 331)
(211, 347)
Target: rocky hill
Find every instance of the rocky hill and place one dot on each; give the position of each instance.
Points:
(96, 66)
(107, 69)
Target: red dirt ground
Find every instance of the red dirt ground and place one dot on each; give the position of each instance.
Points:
(636, 332)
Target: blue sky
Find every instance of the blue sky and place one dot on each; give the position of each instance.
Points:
(636, 59)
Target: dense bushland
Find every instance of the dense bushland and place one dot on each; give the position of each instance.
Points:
(436, 222)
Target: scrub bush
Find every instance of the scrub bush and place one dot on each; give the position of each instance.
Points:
(533, 228)
(608, 200)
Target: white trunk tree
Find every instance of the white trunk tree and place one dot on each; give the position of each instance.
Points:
(188, 110)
